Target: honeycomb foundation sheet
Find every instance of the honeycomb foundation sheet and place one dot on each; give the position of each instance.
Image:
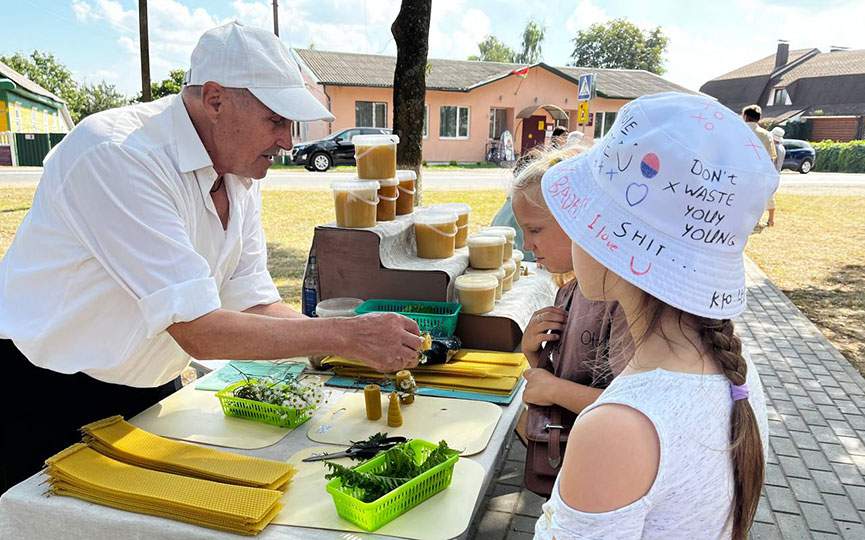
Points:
(444, 515)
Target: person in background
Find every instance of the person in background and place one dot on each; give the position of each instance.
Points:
(751, 115)
(675, 447)
(144, 247)
(780, 154)
(560, 137)
(585, 342)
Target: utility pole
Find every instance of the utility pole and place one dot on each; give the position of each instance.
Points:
(145, 51)
(275, 18)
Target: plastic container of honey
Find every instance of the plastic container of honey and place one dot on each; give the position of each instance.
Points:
(509, 232)
(405, 203)
(498, 273)
(463, 211)
(518, 258)
(355, 203)
(387, 196)
(486, 250)
(476, 292)
(435, 233)
(333, 307)
(510, 269)
(375, 156)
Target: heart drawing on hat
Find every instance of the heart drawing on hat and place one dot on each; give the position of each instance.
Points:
(636, 193)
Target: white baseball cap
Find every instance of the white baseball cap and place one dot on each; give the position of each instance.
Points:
(238, 56)
(667, 199)
(778, 133)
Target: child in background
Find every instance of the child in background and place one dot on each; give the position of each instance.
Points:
(674, 447)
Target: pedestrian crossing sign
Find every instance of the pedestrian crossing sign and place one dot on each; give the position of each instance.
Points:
(586, 90)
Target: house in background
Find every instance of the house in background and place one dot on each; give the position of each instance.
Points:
(468, 104)
(32, 119)
(817, 95)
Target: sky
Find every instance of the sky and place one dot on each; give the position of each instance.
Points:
(98, 39)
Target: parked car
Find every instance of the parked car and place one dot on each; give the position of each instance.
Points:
(336, 149)
(800, 155)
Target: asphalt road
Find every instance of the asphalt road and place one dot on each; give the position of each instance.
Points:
(468, 179)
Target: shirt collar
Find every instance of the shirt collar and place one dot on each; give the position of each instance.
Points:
(191, 154)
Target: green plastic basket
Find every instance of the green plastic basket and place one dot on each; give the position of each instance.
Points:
(260, 411)
(440, 322)
(371, 516)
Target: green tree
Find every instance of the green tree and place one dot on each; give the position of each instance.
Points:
(166, 87)
(493, 50)
(620, 44)
(44, 70)
(93, 98)
(533, 39)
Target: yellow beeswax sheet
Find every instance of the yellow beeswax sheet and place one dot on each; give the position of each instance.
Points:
(498, 386)
(465, 425)
(444, 515)
(488, 366)
(121, 440)
(82, 472)
(196, 416)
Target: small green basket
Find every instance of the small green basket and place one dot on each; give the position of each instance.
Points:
(371, 516)
(259, 411)
(441, 321)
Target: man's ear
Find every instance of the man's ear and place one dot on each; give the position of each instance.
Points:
(213, 99)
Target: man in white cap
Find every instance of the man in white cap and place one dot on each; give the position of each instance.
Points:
(144, 247)
(780, 154)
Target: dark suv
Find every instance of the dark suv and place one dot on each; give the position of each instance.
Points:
(336, 149)
(800, 155)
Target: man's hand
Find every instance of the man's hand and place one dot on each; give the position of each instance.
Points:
(540, 387)
(542, 321)
(386, 342)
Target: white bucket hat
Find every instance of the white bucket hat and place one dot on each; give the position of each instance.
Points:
(667, 199)
(238, 56)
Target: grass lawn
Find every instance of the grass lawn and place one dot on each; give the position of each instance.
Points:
(814, 254)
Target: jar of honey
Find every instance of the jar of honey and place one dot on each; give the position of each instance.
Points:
(486, 250)
(387, 197)
(498, 273)
(463, 211)
(509, 232)
(355, 203)
(476, 293)
(375, 156)
(518, 258)
(510, 269)
(435, 233)
(405, 203)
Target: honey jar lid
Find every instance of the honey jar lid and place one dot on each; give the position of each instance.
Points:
(476, 282)
(428, 217)
(406, 174)
(388, 182)
(375, 140)
(509, 232)
(497, 272)
(485, 240)
(457, 208)
(519, 256)
(354, 185)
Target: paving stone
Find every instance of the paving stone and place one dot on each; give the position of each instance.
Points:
(841, 508)
(804, 441)
(765, 531)
(519, 535)
(504, 498)
(794, 467)
(787, 408)
(782, 500)
(824, 434)
(857, 496)
(852, 531)
(813, 418)
(776, 427)
(824, 536)
(783, 446)
(493, 526)
(805, 490)
(815, 460)
(512, 473)
(794, 422)
(827, 482)
(852, 389)
(848, 474)
(793, 527)
(530, 504)
(830, 412)
(847, 407)
(820, 398)
(842, 428)
(764, 511)
(853, 445)
(836, 453)
(517, 451)
(524, 524)
(818, 518)
(775, 476)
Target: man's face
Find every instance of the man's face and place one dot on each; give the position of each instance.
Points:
(248, 135)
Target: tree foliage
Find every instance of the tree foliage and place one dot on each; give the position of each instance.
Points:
(493, 50)
(166, 87)
(620, 44)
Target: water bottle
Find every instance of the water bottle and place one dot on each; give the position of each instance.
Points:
(310, 286)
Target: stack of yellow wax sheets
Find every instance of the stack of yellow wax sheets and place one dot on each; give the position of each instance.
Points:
(488, 372)
(127, 468)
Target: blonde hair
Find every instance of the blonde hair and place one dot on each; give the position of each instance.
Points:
(528, 173)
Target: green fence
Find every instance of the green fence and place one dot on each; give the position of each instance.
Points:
(31, 148)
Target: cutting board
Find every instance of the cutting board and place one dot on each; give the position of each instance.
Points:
(196, 416)
(444, 515)
(465, 425)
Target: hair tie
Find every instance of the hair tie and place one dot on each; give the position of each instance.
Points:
(739, 391)
(554, 161)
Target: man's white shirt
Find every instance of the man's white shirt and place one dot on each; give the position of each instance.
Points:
(122, 241)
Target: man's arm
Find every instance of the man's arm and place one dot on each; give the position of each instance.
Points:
(275, 309)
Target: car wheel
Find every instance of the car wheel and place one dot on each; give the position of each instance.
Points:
(805, 167)
(320, 162)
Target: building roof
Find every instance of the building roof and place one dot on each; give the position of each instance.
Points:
(832, 83)
(372, 70)
(25, 83)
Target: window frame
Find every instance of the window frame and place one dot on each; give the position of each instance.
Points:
(373, 103)
(457, 137)
(502, 128)
(426, 121)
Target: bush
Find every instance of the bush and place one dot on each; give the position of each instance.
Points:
(453, 163)
(423, 162)
(840, 157)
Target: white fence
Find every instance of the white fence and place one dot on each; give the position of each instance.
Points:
(7, 144)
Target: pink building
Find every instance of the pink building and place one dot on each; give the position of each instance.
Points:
(468, 104)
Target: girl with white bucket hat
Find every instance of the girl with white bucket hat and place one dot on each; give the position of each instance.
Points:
(659, 212)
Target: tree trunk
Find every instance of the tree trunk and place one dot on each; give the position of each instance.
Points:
(411, 33)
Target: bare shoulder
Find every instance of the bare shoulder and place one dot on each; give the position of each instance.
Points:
(611, 459)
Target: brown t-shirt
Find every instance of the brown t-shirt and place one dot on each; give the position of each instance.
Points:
(596, 344)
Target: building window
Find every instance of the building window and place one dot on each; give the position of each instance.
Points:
(498, 122)
(780, 97)
(45, 122)
(425, 121)
(33, 120)
(454, 122)
(603, 123)
(18, 125)
(370, 114)
(295, 130)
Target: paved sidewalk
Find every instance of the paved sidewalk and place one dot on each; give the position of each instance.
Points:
(815, 488)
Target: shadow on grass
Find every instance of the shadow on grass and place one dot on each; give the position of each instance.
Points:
(836, 304)
(286, 268)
